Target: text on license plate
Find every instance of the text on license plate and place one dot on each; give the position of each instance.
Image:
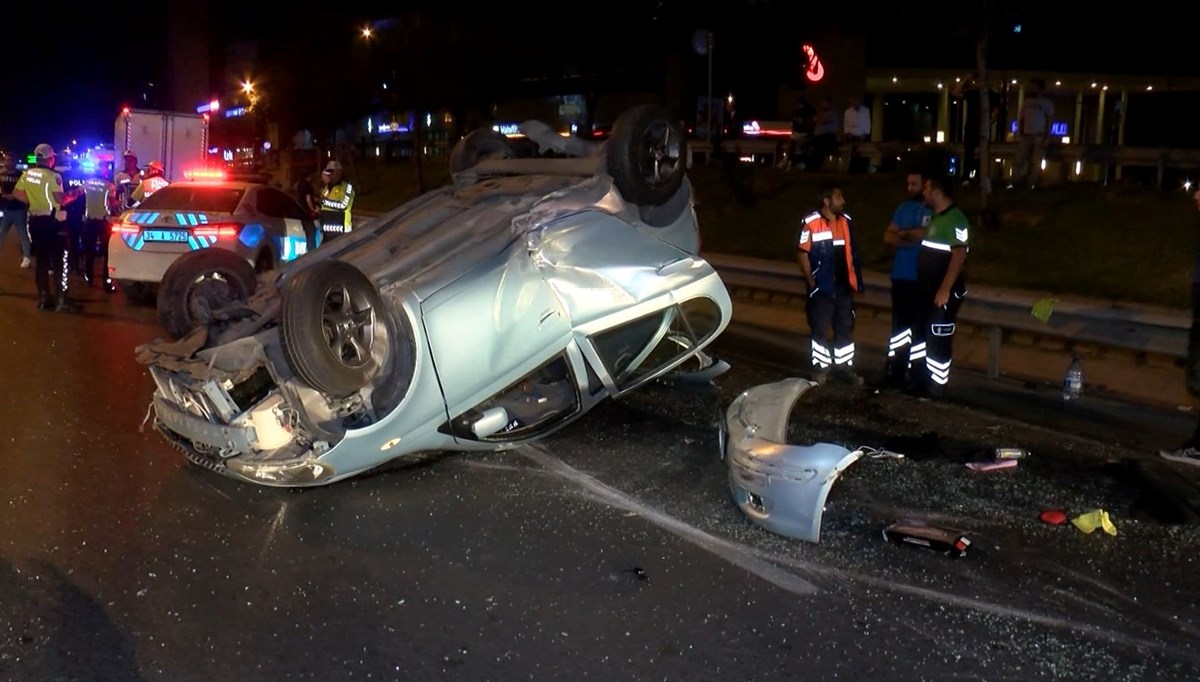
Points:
(165, 235)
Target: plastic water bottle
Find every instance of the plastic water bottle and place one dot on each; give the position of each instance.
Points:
(1073, 381)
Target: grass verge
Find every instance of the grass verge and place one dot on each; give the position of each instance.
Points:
(1123, 244)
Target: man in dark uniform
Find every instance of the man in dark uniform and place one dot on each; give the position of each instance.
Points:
(41, 189)
(100, 201)
(828, 258)
(941, 278)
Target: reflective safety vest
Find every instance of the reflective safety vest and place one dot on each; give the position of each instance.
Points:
(40, 185)
(149, 186)
(336, 203)
(947, 231)
(826, 241)
(99, 195)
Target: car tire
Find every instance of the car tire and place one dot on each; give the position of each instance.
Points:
(334, 329)
(477, 145)
(199, 283)
(647, 155)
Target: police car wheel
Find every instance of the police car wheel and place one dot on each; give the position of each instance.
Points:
(647, 155)
(477, 145)
(334, 327)
(198, 284)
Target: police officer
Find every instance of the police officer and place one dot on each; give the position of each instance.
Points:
(127, 179)
(941, 278)
(41, 189)
(100, 201)
(152, 181)
(337, 200)
(903, 236)
(828, 258)
(15, 216)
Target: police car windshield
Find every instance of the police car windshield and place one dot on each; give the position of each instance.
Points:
(194, 198)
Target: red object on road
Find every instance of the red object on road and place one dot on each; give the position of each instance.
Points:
(1053, 516)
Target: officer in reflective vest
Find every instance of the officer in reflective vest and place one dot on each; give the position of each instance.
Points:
(903, 236)
(126, 180)
(337, 199)
(828, 258)
(41, 189)
(151, 183)
(100, 201)
(941, 276)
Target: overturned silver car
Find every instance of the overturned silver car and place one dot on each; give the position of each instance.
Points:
(484, 314)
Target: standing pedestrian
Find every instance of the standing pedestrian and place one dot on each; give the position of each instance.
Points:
(337, 202)
(828, 258)
(941, 279)
(15, 213)
(903, 236)
(100, 202)
(41, 189)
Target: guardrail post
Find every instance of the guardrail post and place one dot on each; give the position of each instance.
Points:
(994, 337)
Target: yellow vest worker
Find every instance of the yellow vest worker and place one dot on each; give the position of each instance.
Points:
(337, 200)
(41, 188)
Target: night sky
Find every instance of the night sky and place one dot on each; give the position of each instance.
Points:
(99, 58)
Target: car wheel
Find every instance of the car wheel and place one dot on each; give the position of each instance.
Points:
(333, 327)
(647, 155)
(477, 145)
(199, 283)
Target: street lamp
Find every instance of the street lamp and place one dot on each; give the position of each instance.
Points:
(247, 87)
(367, 32)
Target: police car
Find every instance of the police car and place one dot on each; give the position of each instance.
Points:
(230, 228)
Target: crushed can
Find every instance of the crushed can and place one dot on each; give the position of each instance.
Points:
(915, 534)
(1011, 453)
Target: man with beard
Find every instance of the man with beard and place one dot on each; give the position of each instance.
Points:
(903, 236)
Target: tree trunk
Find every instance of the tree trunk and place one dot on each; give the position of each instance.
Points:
(985, 123)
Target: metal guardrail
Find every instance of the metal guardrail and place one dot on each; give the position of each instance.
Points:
(1141, 330)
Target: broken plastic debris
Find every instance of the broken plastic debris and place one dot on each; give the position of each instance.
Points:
(1096, 518)
(1043, 309)
(917, 534)
(1053, 517)
(993, 465)
(1011, 453)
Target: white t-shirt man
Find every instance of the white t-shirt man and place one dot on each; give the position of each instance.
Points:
(857, 121)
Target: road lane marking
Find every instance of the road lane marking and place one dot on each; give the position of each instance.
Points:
(736, 554)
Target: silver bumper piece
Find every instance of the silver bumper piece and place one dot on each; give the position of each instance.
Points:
(239, 439)
(778, 486)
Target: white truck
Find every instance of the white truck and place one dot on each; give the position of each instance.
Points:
(178, 140)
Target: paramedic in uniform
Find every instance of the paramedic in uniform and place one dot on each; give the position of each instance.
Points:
(100, 201)
(903, 236)
(337, 199)
(941, 277)
(151, 183)
(828, 258)
(41, 188)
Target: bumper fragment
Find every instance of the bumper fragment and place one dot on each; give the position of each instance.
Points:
(779, 487)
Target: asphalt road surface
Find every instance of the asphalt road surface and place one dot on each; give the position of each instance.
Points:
(611, 551)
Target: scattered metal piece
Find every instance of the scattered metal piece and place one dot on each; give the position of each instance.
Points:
(916, 534)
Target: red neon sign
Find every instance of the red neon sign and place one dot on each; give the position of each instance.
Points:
(814, 70)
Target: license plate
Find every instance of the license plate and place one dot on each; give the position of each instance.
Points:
(165, 235)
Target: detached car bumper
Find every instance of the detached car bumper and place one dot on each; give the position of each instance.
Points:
(779, 487)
